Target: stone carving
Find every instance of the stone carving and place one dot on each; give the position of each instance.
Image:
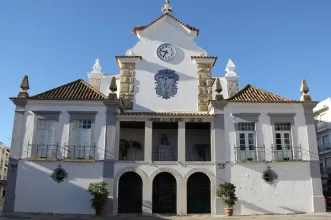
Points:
(127, 79)
(164, 140)
(166, 83)
(233, 88)
(204, 86)
(95, 82)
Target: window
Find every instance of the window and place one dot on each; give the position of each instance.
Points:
(44, 138)
(328, 162)
(322, 168)
(325, 139)
(82, 138)
(246, 131)
(246, 138)
(283, 141)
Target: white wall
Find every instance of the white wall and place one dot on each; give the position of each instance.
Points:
(264, 128)
(36, 191)
(291, 192)
(63, 127)
(146, 99)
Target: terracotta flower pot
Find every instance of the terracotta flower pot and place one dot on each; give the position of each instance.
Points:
(228, 211)
(98, 212)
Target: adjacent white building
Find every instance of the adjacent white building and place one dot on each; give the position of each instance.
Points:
(322, 116)
(163, 133)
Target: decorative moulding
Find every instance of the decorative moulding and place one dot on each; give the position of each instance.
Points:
(282, 114)
(83, 112)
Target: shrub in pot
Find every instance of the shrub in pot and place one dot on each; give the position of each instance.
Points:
(227, 192)
(99, 195)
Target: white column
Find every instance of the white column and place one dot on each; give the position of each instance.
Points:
(181, 142)
(148, 141)
(64, 132)
(147, 197)
(212, 141)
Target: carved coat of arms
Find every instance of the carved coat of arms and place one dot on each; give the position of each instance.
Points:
(166, 83)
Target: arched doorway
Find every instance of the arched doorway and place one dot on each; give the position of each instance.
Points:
(164, 194)
(198, 194)
(130, 190)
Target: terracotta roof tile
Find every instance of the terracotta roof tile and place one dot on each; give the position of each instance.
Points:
(76, 90)
(141, 28)
(256, 95)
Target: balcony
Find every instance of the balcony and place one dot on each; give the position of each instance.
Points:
(199, 153)
(286, 153)
(321, 125)
(326, 172)
(164, 154)
(42, 151)
(131, 155)
(250, 154)
(79, 152)
(324, 147)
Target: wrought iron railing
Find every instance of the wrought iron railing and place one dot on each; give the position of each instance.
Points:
(84, 152)
(197, 154)
(42, 151)
(164, 155)
(250, 154)
(286, 152)
(131, 155)
(322, 125)
(324, 147)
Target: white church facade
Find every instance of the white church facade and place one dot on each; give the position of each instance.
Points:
(164, 133)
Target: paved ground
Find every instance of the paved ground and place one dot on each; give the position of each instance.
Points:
(16, 216)
(323, 216)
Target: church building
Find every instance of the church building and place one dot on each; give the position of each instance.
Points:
(164, 133)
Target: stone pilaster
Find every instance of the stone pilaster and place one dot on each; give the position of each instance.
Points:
(204, 86)
(181, 142)
(127, 79)
(233, 88)
(148, 141)
(15, 154)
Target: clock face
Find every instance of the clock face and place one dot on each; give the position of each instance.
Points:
(166, 52)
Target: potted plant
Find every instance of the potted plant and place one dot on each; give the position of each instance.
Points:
(99, 195)
(227, 192)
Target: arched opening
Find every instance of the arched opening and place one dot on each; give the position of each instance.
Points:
(198, 194)
(130, 191)
(164, 194)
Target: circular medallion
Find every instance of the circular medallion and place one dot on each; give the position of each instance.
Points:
(59, 174)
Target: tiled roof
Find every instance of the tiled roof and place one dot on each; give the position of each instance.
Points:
(165, 114)
(140, 28)
(76, 90)
(253, 94)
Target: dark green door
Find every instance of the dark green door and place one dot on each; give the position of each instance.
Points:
(164, 194)
(198, 194)
(130, 188)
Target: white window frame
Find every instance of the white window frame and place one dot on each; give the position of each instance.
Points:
(44, 150)
(81, 150)
(249, 153)
(286, 151)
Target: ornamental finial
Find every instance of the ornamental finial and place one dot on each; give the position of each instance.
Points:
(304, 89)
(167, 8)
(25, 87)
(113, 86)
(96, 66)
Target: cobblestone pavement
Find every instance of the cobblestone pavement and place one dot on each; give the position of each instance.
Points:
(16, 216)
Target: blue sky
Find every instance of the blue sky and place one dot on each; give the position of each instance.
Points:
(274, 43)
